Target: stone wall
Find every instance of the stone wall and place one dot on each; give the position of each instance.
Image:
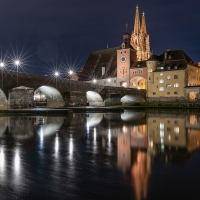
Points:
(3, 101)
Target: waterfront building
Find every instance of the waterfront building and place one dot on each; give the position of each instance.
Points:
(171, 76)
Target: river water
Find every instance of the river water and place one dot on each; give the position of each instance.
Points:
(130, 155)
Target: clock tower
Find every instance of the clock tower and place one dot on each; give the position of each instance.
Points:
(126, 56)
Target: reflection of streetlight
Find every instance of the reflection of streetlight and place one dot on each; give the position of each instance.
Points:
(56, 75)
(70, 73)
(17, 63)
(2, 65)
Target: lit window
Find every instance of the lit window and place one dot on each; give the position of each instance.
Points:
(150, 70)
(161, 74)
(161, 81)
(169, 137)
(175, 76)
(176, 85)
(168, 85)
(161, 89)
(168, 77)
(161, 125)
(176, 129)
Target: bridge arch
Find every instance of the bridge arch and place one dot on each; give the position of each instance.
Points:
(132, 98)
(50, 95)
(3, 101)
(138, 82)
(94, 98)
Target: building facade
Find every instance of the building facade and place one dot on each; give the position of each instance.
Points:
(171, 76)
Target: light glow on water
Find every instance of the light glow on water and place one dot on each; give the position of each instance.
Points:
(17, 162)
(56, 145)
(2, 159)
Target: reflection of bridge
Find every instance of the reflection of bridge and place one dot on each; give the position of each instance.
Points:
(98, 94)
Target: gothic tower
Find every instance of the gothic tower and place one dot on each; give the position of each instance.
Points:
(140, 38)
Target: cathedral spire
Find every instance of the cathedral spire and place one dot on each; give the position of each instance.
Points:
(137, 22)
(143, 25)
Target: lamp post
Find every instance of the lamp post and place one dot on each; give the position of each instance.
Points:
(56, 75)
(2, 65)
(70, 74)
(17, 63)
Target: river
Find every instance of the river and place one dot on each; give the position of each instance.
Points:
(129, 155)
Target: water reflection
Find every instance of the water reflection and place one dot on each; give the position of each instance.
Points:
(132, 140)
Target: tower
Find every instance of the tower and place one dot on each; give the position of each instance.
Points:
(125, 58)
(140, 38)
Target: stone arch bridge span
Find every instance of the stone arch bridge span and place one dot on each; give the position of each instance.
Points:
(63, 85)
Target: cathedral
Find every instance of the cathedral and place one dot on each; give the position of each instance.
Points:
(170, 76)
(114, 66)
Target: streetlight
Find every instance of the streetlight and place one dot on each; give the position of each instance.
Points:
(109, 80)
(70, 73)
(56, 75)
(17, 63)
(2, 65)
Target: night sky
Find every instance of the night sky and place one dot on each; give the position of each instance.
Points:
(52, 34)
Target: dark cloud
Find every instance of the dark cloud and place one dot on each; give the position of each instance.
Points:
(76, 27)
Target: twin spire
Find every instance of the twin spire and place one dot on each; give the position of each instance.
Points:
(137, 28)
(140, 38)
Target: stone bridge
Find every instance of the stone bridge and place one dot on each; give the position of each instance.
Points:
(55, 89)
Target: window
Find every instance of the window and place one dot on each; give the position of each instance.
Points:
(134, 71)
(176, 129)
(154, 93)
(140, 71)
(154, 121)
(169, 129)
(149, 77)
(150, 70)
(175, 76)
(161, 81)
(168, 77)
(114, 81)
(161, 125)
(104, 82)
(168, 92)
(161, 89)
(175, 92)
(161, 74)
(176, 138)
(176, 85)
(175, 122)
(168, 85)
